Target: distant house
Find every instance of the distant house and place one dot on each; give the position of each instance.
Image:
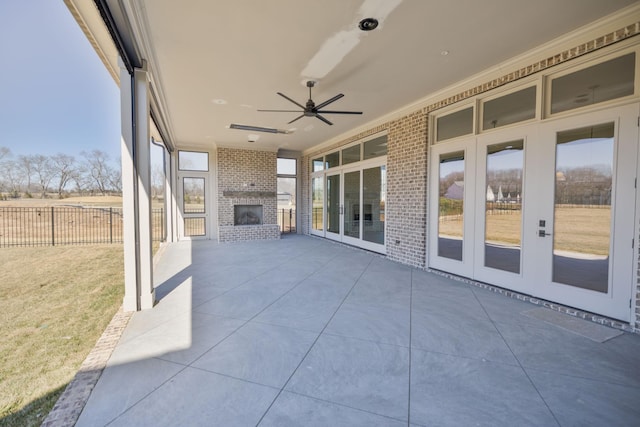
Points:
(455, 191)
(490, 196)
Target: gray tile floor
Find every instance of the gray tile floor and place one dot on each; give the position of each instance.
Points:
(306, 332)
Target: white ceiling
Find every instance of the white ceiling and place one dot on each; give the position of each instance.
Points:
(244, 51)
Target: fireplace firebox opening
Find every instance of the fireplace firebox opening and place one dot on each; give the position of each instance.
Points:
(247, 214)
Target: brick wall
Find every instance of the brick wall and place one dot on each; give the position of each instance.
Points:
(406, 207)
(303, 205)
(245, 173)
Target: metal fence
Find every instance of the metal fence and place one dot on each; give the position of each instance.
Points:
(67, 225)
(287, 220)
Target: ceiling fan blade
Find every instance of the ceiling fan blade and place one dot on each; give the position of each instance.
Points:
(329, 101)
(290, 100)
(339, 112)
(323, 119)
(297, 118)
(280, 111)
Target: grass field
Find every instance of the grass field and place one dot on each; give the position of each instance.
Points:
(97, 201)
(576, 229)
(55, 303)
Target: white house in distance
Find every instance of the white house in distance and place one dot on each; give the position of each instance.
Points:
(376, 103)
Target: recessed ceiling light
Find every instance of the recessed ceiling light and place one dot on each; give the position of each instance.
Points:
(219, 101)
(368, 24)
(444, 53)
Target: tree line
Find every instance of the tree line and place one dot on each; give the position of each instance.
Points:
(39, 175)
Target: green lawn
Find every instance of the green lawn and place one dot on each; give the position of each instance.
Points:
(55, 302)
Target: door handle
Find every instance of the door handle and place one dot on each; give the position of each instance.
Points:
(543, 233)
(341, 210)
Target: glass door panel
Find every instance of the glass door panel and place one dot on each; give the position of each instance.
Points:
(582, 207)
(193, 195)
(333, 204)
(352, 208)
(503, 206)
(451, 205)
(317, 204)
(193, 202)
(374, 194)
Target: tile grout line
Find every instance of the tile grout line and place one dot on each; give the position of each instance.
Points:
(314, 342)
(410, 351)
(516, 357)
(343, 405)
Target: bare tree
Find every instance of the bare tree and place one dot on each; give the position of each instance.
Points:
(81, 180)
(157, 181)
(4, 152)
(99, 170)
(43, 172)
(115, 178)
(12, 177)
(64, 167)
(26, 164)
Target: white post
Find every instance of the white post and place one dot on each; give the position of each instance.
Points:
(136, 194)
(169, 200)
(143, 163)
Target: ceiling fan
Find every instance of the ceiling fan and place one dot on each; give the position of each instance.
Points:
(310, 109)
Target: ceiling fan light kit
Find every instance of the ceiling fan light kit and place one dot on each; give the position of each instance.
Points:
(310, 109)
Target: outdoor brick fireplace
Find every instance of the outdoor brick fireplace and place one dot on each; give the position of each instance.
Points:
(247, 202)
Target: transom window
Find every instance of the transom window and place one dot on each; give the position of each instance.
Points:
(610, 79)
(193, 161)
(370, 149)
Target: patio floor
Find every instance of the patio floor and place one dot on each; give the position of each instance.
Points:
(306, 332)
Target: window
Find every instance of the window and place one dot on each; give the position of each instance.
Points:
(512, 108)
(375, 148)
(286, 188)
(317, 165)
(286, 166)
(602, 82)
(193, 161)
(351, 154)
(332, 160)
(455, 124)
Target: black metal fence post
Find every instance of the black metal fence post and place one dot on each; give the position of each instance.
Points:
(53, 228)
(110, 225)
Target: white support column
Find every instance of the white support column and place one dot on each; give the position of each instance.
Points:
(169, 200)
(136, 190)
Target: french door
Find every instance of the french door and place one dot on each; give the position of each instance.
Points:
(545, 209)
(348, 205)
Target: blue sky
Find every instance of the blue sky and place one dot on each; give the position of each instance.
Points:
(55, 94)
